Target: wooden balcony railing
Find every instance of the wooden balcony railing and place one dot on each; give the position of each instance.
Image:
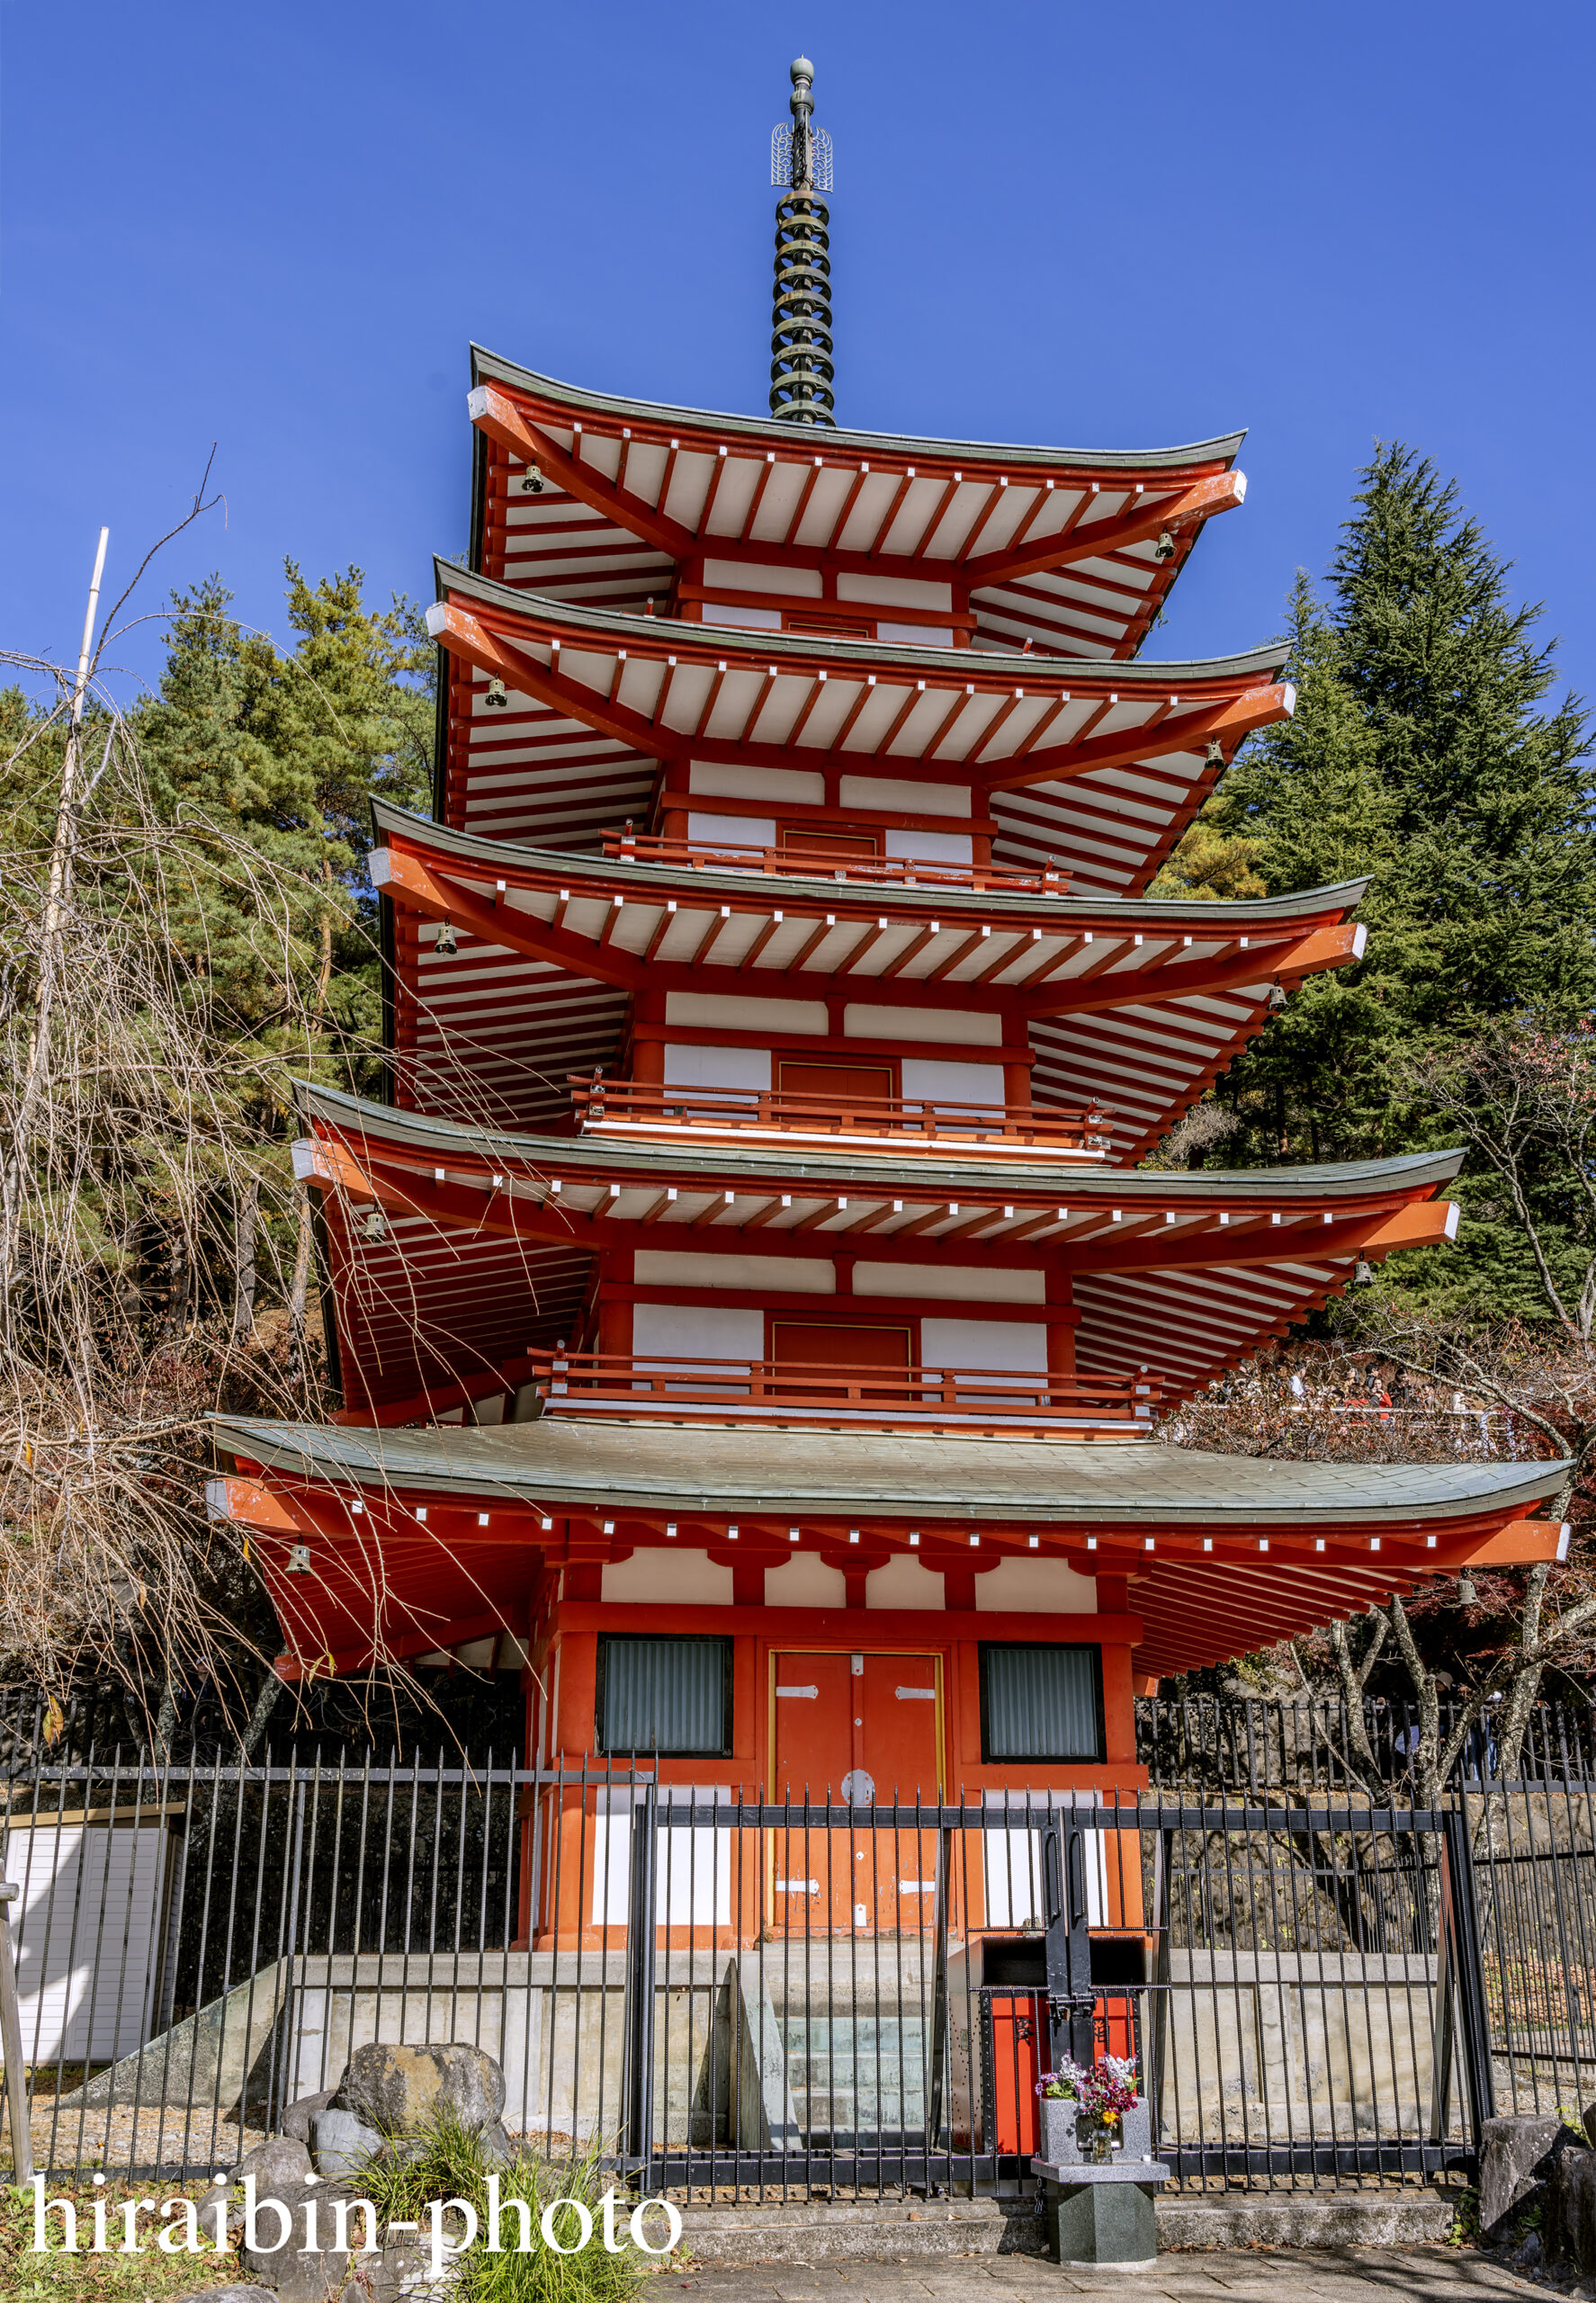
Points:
(826, 863)
(895, 1123)
(971, 1400)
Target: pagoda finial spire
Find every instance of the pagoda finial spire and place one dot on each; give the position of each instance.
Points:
(801, 368)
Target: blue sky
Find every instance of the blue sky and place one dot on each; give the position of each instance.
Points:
(278, 229)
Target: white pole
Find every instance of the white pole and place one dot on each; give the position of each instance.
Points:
(11, 2047)
(57, 861)
(88, 627)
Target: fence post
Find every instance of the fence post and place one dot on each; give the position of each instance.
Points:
(11, 2045)
(1462, 1955)
(1070, 1997)
(639, 1962)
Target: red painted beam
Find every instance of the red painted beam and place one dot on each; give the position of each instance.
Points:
(1142, 521)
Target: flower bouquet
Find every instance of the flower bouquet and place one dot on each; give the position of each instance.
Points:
(1099, 2097)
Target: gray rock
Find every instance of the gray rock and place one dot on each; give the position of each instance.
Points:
(274, 2264)
(312, 2278)
(1569, 2231)
(401, 2273)
(1515, 2156)
(342, 2142)
(296, 2120)
(227, 2295)
(279, 2164)
(397, 2089)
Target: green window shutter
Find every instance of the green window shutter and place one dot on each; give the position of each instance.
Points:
(665, 1695)
(1041, 1703)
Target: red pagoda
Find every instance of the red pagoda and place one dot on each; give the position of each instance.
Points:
(750, 1315)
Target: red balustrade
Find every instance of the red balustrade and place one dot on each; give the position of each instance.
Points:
(793, 861)
(772, 1391)
(894, 1122)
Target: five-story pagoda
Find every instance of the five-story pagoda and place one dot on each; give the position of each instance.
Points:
(749, 1310)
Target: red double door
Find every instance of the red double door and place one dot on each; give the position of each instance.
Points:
(861, 1730)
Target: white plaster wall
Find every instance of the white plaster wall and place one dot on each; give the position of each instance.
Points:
(746, 831)
(717, 1067)
(710, 1011)
(888, 591)
(959, 1083)
(800, 786)
(915, 635)
(861, 1022)
(984, 1343)
(758, 576)
(806, 1582)
(745, 619)
(933, 847)
(670, 1575)
(903, 1582)
(695, 1331)
(962, 1281)
(796, 1275)
(896, 797)
(1035, 1587)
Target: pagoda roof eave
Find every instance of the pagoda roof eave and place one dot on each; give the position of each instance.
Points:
(1413, 1172)
(710, 1471)
(489, 367)
(1342, 896)
(961, 664)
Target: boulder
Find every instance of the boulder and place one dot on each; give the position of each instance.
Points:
(296, 2120)
(342, 2143)
(1569, 2231)
(279, 2164)
(313, 2278)
(1515, 2160)
(401, 2273)
(289, 2265)
(227, 2295)
(399, 2088)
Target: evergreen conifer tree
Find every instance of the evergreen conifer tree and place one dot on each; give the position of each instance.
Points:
(1423, 753)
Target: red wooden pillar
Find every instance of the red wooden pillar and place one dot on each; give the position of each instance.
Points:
(1061, 1317)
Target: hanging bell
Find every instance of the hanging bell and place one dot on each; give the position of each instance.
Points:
(1215, 756)
(1277, 998)
(445, 946)
(1466, 1594)
(1164, 549)
(531, 482)
(496, 699)
(1363, 1274)
(375, 1226)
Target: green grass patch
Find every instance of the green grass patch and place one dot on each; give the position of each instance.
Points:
(447, 2162)
(149, 2277)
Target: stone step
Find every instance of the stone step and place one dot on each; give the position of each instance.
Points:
(801, 2231)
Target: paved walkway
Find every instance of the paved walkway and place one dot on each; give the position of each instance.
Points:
(1339, 2276)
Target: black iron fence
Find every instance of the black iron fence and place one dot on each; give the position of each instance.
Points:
(1257, 1744)
(1321, 1989)
(1223, 1744)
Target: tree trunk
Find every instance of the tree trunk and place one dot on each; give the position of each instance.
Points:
(246, 1223)
(265, 1703)
(300, 1290)
(57, 898)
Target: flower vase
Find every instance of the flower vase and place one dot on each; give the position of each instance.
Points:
(1102, 2142)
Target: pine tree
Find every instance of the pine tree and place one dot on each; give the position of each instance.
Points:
(1420, 754)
